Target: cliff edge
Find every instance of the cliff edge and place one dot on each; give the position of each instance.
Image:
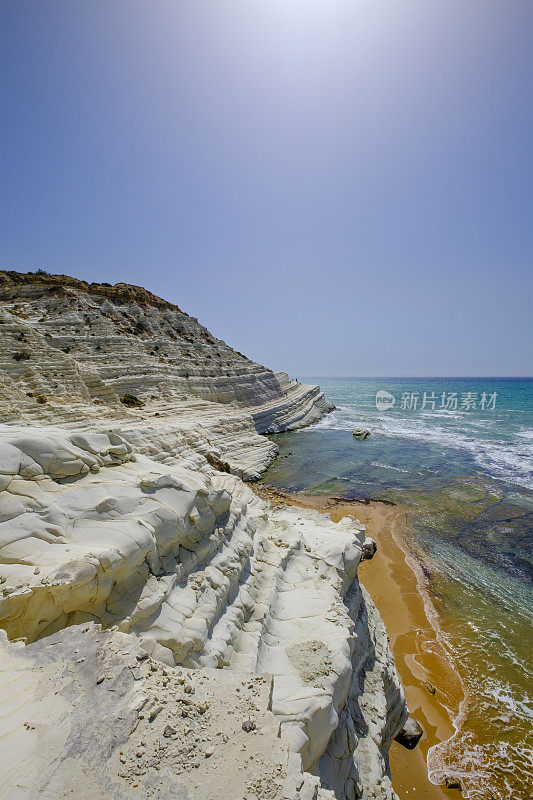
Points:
(66, 343)
(169, 633)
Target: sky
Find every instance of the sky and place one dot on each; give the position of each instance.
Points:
(333, 188)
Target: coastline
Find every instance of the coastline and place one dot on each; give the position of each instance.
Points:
(420, 659)
(103, 410)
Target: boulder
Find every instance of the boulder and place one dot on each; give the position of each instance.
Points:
(132, 401)
(361, 433)
(453, 783)
(369, 549)
(410, 734)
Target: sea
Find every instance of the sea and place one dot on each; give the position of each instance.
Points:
(458, 453)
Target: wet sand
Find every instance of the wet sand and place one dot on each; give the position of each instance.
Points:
(420, 659)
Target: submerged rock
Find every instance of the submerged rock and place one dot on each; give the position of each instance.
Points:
(453, 783)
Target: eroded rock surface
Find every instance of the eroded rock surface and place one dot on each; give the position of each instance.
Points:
(86, 714)
(183, 638)
(65, 344)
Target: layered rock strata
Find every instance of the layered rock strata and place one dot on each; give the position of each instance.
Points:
(65, 344)
(156, 594)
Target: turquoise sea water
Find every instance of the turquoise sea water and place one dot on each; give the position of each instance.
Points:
(467, 474)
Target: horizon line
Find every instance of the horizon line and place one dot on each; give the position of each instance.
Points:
(422, 377)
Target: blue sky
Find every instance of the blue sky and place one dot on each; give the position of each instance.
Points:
(334, 188)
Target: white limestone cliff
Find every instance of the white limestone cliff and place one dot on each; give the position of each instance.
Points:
(66, 344)
(129, 542)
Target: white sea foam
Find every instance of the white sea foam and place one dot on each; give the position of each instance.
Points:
(390, 466)
(504, 695)
(501, 445)
(508, 460)
(493, 771)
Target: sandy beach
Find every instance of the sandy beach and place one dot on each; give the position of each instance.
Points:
(419, 657)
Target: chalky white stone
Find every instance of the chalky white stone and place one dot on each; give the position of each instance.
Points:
(128, 540)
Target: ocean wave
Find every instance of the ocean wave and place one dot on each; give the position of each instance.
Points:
(510, 460)
(504, 695)
(526, 435)
(390, 466)
(496, 770)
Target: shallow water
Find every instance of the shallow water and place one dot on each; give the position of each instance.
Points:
(467, 475)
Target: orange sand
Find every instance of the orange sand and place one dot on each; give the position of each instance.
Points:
(419, 657)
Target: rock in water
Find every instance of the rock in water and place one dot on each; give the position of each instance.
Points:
(410, 734)
(453, 783)
(361, 433)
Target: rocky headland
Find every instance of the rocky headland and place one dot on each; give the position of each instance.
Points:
(168, 632)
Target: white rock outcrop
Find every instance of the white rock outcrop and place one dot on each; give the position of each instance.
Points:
(65, 344)
(162, 604)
